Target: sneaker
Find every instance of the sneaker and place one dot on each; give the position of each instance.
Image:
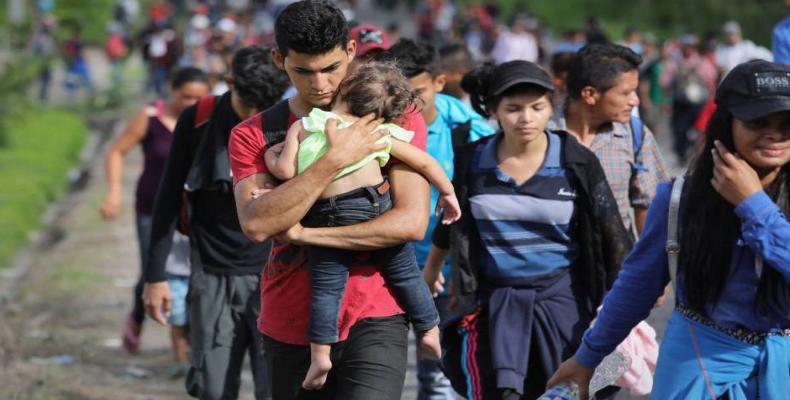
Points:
(130, 335)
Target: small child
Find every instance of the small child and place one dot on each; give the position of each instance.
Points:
(360, 193)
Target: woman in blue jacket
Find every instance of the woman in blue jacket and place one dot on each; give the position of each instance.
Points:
(539, 242)
(728, 335)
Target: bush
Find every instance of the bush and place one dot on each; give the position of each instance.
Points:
(91, 15)
(40, 148)
(665, 18)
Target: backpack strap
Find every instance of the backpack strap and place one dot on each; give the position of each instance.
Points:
(460, 134)
(274, 123)
(205, 107)
(673, 246)
(637, 133)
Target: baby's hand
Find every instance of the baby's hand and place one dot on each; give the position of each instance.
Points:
(449, 204)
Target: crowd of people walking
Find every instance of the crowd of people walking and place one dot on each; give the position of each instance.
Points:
(313, 186)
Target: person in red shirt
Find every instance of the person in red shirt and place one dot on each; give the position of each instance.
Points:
(369, 362)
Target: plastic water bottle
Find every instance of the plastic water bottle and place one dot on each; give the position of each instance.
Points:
(607, 373)
(563, 391)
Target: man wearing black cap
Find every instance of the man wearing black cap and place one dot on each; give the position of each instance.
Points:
(602, 94)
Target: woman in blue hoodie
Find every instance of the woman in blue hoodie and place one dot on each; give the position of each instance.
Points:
(728, 335)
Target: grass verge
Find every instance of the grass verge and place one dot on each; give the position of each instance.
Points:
(36, 152)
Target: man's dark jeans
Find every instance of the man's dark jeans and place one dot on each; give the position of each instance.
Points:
(370, 364)
(329, 267)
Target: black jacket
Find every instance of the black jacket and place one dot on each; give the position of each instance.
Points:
(603, 240)
(218, 244)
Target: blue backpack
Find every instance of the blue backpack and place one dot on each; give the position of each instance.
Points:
(636, 129)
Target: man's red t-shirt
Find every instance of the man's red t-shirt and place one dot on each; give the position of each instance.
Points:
(285, 281)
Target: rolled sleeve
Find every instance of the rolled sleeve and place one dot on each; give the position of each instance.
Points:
(755, 207)
(643, 184)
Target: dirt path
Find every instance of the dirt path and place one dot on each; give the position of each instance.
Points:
(59, 336)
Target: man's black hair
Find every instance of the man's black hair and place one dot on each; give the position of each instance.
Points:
(310, 27)
(455, 57)
(414, 58)
(599, 66)
(256, 79)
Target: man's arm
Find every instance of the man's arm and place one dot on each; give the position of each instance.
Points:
(278, 208)
(167, 207)
(406, 221)
(169, 197)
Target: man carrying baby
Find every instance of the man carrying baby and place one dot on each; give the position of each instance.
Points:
(370, 359)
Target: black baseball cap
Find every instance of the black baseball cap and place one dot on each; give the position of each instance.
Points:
(755, 89)
(511, 73)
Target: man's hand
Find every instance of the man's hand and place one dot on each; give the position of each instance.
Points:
(354, 142)
(158, 301)
(733, 178)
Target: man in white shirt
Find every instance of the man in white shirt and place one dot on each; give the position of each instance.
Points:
(735, 50)
(518, 43)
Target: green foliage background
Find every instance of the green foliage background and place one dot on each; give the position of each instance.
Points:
(91, 15)
(663, 17)
(39, 148)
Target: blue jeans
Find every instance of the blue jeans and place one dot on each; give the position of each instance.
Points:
(329, 266)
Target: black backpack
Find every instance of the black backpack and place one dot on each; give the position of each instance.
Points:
(274, 123)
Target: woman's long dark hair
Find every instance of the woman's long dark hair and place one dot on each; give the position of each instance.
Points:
(710, 230)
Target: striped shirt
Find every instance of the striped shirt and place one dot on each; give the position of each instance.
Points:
(525, 229)
(613, 144)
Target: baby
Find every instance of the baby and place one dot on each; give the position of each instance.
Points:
(360, 193)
